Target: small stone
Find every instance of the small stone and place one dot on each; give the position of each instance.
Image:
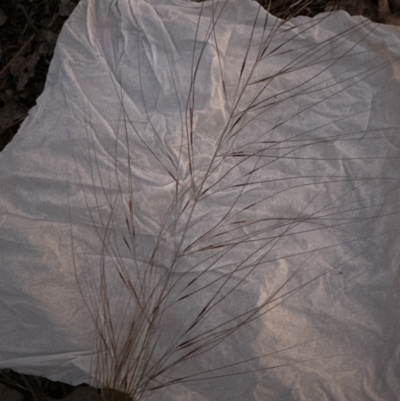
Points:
(9, 92)
(18, 65)
(65, 8)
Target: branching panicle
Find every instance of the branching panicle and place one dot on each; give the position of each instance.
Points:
(166, 272)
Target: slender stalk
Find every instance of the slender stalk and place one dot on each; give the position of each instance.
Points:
(215, 230)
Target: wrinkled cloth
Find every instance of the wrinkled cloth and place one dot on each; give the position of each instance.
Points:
(309, 175)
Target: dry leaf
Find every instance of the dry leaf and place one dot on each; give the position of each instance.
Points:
(28, 71)
(3, 17)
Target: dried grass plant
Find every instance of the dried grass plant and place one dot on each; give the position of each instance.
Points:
(169, 287)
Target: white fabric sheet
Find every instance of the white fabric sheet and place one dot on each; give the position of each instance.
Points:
(322, 184)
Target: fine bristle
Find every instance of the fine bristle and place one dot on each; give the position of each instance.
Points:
(168, 289)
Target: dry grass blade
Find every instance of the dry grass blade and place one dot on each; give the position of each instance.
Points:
(196, 210)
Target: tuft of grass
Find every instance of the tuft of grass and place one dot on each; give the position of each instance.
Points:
(183, 261)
